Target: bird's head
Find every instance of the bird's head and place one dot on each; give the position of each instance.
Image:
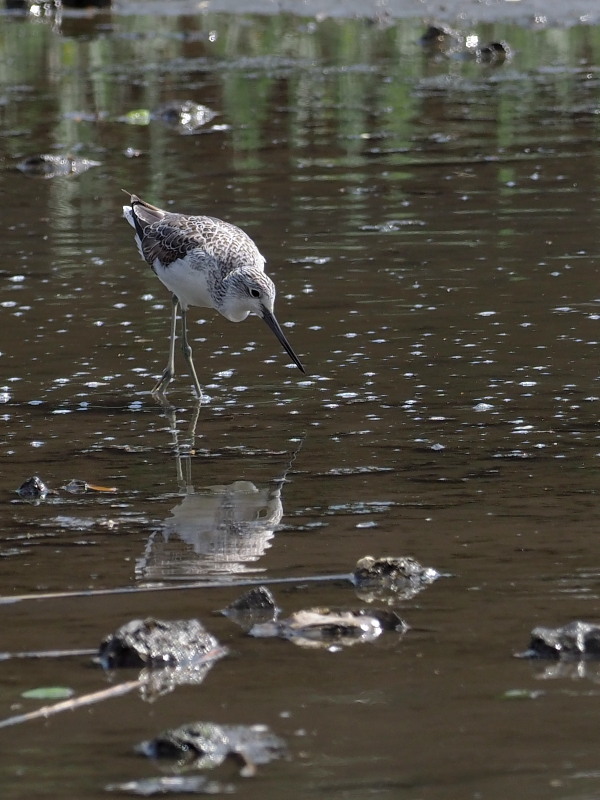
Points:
(250, 291)
(247, 291)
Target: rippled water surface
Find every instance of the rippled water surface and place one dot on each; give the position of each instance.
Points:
(431, 223)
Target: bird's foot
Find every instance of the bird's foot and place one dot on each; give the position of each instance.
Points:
(165, 379)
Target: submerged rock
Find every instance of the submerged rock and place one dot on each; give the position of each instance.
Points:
(254, 606)
(34, 488)
(442, 41)
(186, 116)
(205, 745)
(53, 166)
(440, 38)
(324, 627)
(172, 653)
(391, 577)
(495, 53)
(572, 641)
(258, 598)
(157, 643)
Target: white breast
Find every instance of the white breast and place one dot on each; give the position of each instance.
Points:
(188, 284)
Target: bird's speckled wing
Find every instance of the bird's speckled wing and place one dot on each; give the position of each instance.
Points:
(203, 239)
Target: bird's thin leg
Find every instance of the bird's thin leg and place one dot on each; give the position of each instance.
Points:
(187, 352)
(169, 372)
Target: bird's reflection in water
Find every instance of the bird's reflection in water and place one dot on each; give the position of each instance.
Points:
(212, 531)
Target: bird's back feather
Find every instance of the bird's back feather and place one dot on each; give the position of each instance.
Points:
(164, 237)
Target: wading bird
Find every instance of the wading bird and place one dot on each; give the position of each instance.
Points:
(206, 262)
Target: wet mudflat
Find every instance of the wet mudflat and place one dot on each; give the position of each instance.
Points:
(431, 222)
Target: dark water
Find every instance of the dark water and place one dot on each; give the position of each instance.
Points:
(431, 224)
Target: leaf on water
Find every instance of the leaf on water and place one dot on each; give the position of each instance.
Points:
(139, 116)
(177, 784)
(49, 693)
(521, 694)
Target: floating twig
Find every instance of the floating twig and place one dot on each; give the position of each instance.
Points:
(70, 705)
(48, 654)
(7, 600)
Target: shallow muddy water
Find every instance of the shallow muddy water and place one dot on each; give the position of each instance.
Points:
(431, 223)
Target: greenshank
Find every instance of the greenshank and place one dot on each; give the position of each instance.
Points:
(206, 262)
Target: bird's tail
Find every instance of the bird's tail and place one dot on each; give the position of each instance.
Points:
(139, 214)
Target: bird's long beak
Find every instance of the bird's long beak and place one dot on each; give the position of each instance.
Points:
(276, 328)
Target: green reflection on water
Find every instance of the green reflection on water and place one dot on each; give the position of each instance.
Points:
(354, 77)
(308, 101)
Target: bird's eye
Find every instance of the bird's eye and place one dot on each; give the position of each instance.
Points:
(254, 293)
